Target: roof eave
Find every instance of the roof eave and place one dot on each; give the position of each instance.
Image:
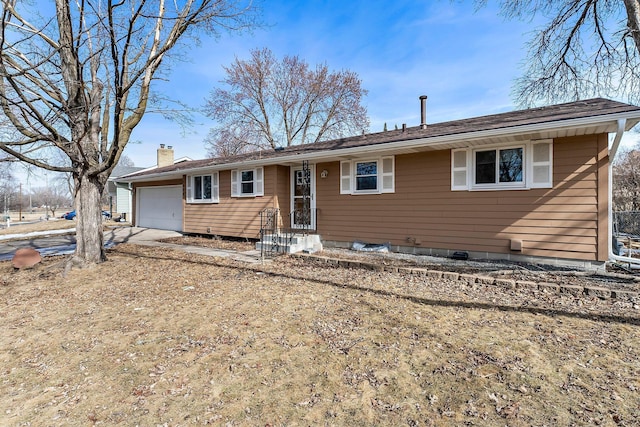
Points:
(633, 117)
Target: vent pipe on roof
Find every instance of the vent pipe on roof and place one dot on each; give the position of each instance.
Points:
(423, 112)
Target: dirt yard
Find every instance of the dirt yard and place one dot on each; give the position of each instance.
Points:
(160, 337)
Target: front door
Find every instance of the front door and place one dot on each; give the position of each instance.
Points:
(303, 197)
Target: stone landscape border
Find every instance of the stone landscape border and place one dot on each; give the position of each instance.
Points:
(558, 288)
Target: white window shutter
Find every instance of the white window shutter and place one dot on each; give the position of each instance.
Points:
(388, 175)
(542, 164)
(345, 177)
(189, 189)
(235, 185)
(459, 170)
(258, 189)
(215, 193)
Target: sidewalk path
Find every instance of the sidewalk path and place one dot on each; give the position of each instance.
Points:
(151, 237)
(112, 237)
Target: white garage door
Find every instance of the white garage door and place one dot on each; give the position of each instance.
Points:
(160, 207)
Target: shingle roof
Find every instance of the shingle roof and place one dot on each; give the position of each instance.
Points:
(119, 171)
(534, 116)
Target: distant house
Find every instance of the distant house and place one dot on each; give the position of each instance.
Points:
(522, 184)
(120, 195)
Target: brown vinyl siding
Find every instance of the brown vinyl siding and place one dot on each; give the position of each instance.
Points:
(603, 198)
(282, 184)
(238, 216)
(564, 221)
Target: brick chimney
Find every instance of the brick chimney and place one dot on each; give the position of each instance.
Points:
(165, 156)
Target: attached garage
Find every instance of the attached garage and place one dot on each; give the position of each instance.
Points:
(159, 207)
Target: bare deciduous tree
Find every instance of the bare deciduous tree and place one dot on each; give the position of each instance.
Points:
(52, 197)
(626, 182)
(79, 81)
(7, 183)
(126, 161)
(587, 48)
(269, 103)
(228, 141)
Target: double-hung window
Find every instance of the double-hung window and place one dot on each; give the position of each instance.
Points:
(370, 176)
(366, 175)
(202, 188)
(517, 166)
(247, 182)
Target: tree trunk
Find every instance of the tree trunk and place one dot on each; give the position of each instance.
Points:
(89, 233)
(633, 21)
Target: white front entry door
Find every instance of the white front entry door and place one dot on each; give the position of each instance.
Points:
(304, 208)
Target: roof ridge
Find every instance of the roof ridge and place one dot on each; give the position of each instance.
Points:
(526, 117)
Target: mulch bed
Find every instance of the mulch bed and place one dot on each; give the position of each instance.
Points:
(613, 278)
(240, 245)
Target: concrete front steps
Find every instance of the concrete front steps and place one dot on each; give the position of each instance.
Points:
(291, 243)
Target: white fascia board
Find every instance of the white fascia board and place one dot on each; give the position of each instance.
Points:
(157, 177)
(180, 160)
(409, 144)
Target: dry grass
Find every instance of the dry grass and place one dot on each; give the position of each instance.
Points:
(156, 337)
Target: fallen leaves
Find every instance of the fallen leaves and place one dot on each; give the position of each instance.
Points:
(158, 337)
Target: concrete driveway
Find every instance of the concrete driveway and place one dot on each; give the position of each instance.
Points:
(137, 235)
(48, 243)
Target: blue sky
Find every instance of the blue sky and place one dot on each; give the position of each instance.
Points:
(464, 60)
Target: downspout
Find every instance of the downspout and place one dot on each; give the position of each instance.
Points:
(612, 155)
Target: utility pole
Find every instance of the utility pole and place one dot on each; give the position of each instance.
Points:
(20, 203)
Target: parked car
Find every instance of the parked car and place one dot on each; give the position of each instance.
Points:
(69, 215)
(72, 215)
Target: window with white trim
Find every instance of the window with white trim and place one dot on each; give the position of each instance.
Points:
(366, 174)
(370, 176)
(517, 166)
(247, 182)
(500, 166)
(202, 188)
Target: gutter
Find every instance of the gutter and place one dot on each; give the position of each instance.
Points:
(404, 144)
(633, 262)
